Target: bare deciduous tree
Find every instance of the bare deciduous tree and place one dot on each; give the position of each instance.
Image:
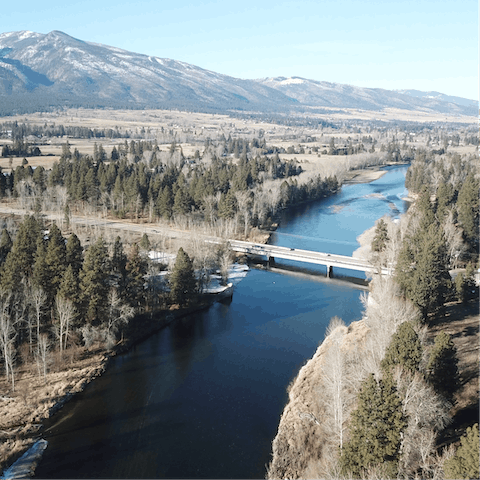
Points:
(334, 380)
(41, 355)
(334, 323)
(7, 337)
(66, 312)
(38, 299)
(454, 239)
(385, 310)
(244, 203)
(225, 263)
(118, 314)
(427, 413)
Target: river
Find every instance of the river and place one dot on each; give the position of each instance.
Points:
(203, 397)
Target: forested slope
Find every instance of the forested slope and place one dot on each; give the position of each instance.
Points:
(376, 398)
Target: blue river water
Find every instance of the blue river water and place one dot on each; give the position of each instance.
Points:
(203, 397)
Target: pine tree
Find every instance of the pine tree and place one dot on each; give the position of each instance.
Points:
(375, 431)
(145, 242)
(181, 205)
(461, 287)
(119, 259)
(465, 462)
(136, 269)
(425, 209)
(468, 210)
(114, 156)
(94, 281)
(380, 240)
(227, 206)
(55, 261)
(19, 262)
(69, 286)
(40, 178)
(165, 203)
(422, 272)
(40, 274)
(404, 349)
(444, 196)
(74, 254)
(442, 367)
(183, 285)
(5, 245)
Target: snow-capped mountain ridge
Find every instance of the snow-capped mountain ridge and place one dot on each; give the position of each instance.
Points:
(55, 69)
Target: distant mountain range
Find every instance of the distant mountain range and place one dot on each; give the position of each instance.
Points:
(41, 71)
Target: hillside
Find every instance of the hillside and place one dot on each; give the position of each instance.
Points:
(44, 71)
(327, 94)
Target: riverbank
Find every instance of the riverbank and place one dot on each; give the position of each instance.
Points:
(304, 445)
(304, 438)
(304, 441)
(367, 175)
(37, 399)
(83, 366)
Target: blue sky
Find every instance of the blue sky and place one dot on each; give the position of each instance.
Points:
(421, 44)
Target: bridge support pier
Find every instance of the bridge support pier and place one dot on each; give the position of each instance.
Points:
(271, 261)
(329, 271)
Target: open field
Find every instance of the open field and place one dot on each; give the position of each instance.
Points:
(392, 114)
(170, 118)
(190, 130)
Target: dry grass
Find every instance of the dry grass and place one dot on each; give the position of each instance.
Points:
(22, 411)
(462, 323)
(46, 162)
(302, 446)
(392, 114)
(134, 120)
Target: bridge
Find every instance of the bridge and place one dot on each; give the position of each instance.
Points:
(270, 252)
(330, 260)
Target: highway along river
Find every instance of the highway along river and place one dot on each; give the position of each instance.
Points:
(203, 397)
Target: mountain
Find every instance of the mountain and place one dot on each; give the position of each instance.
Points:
(40, 71)
(442, 97)
(61, 69)
(312, 92)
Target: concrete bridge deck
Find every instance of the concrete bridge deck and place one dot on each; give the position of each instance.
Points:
(330, 260)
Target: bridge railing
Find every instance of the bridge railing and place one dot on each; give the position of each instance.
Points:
(307, 256)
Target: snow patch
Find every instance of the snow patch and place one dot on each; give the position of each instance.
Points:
(161, 257)
(236, 273)
(292, 81)
(27, 34)
(25, 466)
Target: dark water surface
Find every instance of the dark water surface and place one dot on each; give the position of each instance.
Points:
(203, 398)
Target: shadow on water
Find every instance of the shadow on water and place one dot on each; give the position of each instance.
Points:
(312, 274)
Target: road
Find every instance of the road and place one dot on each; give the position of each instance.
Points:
(100, 224)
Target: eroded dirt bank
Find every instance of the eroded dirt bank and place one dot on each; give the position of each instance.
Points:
(36, 399)
(301, 440)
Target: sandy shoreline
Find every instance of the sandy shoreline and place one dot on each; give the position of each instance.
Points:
(368, 174)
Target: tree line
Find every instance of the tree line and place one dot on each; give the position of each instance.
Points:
(404, 404)
(19, 131)
(54, 292)
(385, 403)
(139, 178)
